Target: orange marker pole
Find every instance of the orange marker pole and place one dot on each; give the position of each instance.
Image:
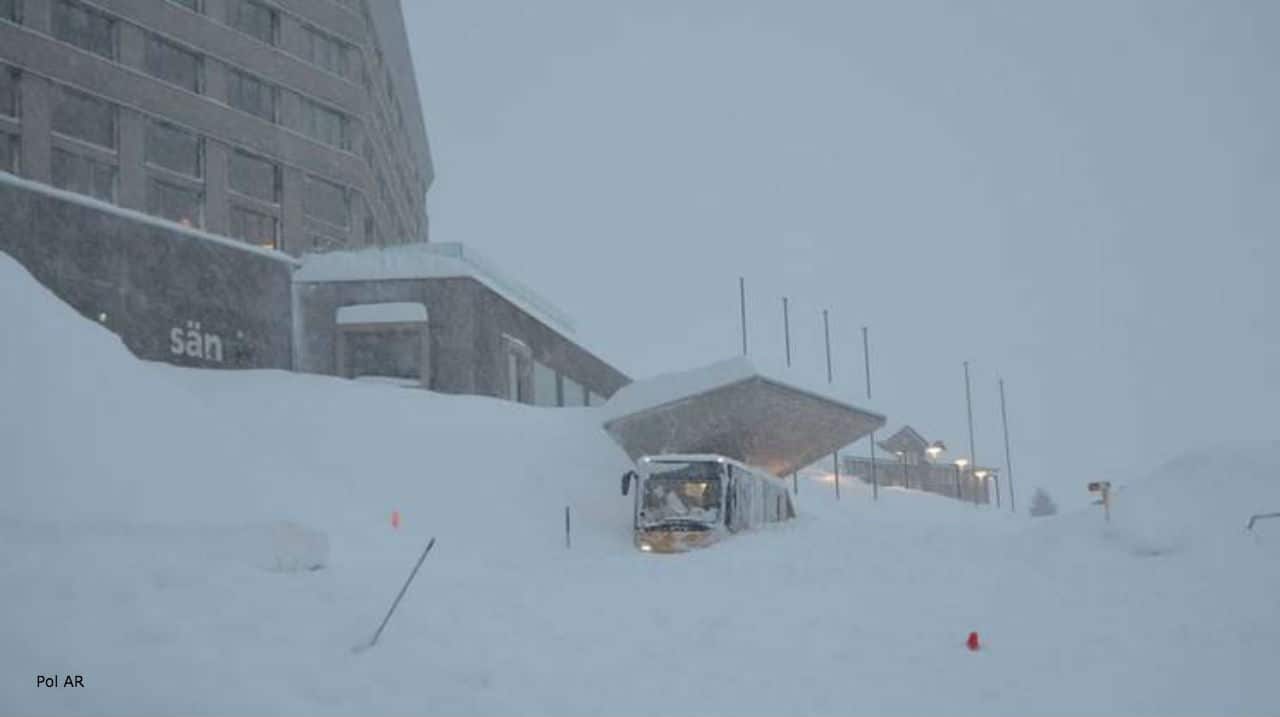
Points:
(395, 519)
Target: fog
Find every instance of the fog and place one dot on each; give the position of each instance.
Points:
(1081, 198)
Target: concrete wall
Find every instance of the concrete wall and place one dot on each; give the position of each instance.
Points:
(143, 281)
(466, 324)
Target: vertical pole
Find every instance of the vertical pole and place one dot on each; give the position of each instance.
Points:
(968, 402)
(786, 328)
(906, 481)
(836, 457)
(958, 494)
(866, 362)
(567, 543)
(742, 305)
(826, 331)
(795, 485)
(1008, 465)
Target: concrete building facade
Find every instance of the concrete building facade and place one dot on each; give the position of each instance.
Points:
(290, 124)
(444, 317)
(170, 168)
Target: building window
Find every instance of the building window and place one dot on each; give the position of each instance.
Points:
(182, 205)
(86, 29)
(326, 201)
(254, 227)
(324, 125)
(78, 115)
(572, 393)
(253, 19)
(172, 64)
(8, 91)
(544, 385)
(80, 174)
(8, 153)
(248, 93)
(327, 52)
(174, 149)
(390, 353)
(517, 361)
(254, 177)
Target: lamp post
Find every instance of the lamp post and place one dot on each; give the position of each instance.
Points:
(934, 450)
(960, 464)
(981, 475)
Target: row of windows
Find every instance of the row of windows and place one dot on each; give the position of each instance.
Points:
(89, 119)
(531, 381)
(263, 24)
(556, 389)
(95, 32)
(180, 152)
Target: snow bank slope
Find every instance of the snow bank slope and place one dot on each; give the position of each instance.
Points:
(145, 509)
(93, 434)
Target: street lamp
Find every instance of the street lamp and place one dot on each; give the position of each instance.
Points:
(981, 474)
(960, 464)
(934, 450)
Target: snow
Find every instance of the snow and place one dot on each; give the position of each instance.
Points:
(435, 260)
(395, 312)
(158, 527)
(644, 394)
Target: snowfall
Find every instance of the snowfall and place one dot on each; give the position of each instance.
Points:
(218, 542)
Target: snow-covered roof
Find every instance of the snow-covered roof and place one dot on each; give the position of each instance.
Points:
(652, 392)
(142, 218)
(655, 391)
(433, 260)
(731, 408)
(399, 312)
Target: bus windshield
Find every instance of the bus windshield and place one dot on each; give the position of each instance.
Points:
(682, 492)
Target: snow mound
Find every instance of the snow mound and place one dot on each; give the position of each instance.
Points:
(159, 526)
(1201, 500)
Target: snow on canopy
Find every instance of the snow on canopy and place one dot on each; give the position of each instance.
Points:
(394, 312)
(435, 260)
(734, 409)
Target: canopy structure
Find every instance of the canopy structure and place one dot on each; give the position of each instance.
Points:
(732, 409)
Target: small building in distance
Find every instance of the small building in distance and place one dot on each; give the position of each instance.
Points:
(911, 461)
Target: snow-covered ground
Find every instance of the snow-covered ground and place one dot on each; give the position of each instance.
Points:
(156, 524)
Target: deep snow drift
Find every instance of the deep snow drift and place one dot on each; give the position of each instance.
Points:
(157, 525)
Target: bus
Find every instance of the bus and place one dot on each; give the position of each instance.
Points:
(687, 501)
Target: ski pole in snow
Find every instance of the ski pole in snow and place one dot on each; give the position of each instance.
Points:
(412, 575)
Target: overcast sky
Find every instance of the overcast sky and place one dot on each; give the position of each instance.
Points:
(1080, 197)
